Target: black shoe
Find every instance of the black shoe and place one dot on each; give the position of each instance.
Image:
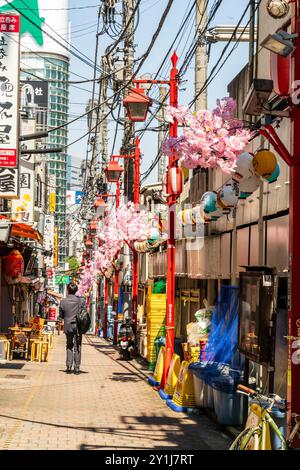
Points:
(76, 372)
(69, 370)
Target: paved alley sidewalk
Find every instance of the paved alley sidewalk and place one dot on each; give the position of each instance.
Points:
(109, 406)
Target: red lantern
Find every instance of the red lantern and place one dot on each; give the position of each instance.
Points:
(175, 181)
(137, 105)
(280, 74)
(14, 266)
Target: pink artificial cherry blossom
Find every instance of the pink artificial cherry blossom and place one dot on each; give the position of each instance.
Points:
(125, 223)
(210, 139)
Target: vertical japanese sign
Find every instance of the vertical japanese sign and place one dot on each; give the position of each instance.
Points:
(23, 208)
(49, 239)
(55, 251)
(9, 104)
(52, 193)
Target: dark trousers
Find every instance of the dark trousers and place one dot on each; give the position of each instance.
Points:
(74, 349)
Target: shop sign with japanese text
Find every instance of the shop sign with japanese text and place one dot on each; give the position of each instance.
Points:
(49, 239)
(23, 207)
(9, 90)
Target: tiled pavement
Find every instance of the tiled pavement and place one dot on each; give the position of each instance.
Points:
(108, 406)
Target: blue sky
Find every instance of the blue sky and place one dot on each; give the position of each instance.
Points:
(83, 27)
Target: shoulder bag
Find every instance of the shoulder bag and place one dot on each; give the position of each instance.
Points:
(83, 318)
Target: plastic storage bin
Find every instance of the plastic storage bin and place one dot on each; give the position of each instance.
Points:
(203, 374)
(227, 403)
(209, 396)
(199, 386)
(280, 419)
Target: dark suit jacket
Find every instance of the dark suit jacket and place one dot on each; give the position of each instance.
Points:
(68, 309)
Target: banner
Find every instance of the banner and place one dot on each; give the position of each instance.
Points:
(23, 207)
(9, 183)
(55, 247)
(71, 198)
(49, 239)
(9, 87)
(52, 193)
(34, 93)
(74, 198)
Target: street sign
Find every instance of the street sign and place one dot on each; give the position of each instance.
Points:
(78, 197)
(62, 279)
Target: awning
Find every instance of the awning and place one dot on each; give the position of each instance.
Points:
(24, 230)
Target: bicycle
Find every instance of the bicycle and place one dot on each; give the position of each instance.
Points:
(256, 435)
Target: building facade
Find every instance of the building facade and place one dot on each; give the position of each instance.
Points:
(45, 56)
(74, 173)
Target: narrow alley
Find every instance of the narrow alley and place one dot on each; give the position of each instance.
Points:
(108, 406)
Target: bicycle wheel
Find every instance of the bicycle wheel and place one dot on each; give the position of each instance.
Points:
(248, 439)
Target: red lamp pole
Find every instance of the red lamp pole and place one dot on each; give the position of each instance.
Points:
(135, 259)
(136, 199)
(170, 313)
(116, 278)
(132, 102)
(106, 285)
(105, 307)
(293, 372)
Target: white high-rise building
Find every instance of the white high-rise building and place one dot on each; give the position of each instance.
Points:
(45, 55)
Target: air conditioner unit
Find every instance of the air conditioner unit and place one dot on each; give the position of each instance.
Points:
(256, 100)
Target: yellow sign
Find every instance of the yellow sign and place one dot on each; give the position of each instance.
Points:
(52, 202)
(55, 246)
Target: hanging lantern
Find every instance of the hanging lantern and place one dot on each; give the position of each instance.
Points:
(274, 175)
(205, 215)
(197, 215)
(280, 70)
(153, 235)
(217, 213)
(209, 201)
(101, 207)
(185, 171)
(187, 217)
(264, 163)
(175, 181)
(248, 186)
(227, 197)
(209, 205)
(113, 171)
(137, 105)
(14, 267)
(141, 247)
(243, 167)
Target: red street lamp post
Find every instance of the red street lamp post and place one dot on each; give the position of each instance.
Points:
(102, 207)
(136, 199)
(137, 111)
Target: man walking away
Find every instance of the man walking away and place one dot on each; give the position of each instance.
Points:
(68, 309)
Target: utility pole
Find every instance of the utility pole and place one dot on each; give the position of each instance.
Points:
(128, 140)
(201, 56)
(161, 136)
(103, 120)
(201, 67)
